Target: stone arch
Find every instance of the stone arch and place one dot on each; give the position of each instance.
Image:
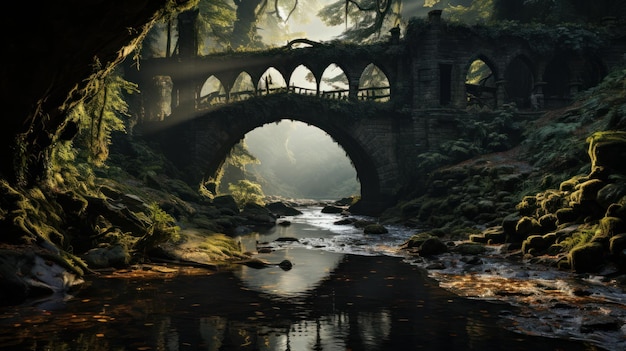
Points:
(334, 84)
(242, 87)
(212, 92)
(590, 72)
(519, 81)
(374, 84)
(271, 81)
(300, 81)
(194, 146)
(481, 75)
(556, 76)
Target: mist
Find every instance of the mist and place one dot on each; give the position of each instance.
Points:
(300, 161)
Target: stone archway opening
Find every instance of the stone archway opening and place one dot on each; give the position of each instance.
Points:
(480, 85)
(556, 76)
(334, 83)
(519, 82)
(271, 82)
(291, 159)
(374, 85)
(212, 93)
(303, 81)
(243, 88)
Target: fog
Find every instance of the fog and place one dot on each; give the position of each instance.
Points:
(300, 161)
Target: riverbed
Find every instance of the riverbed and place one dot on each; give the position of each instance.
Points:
(344, 291)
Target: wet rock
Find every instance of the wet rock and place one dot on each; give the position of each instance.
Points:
(281, 209)
(227, 202)
(432, 246)
(599, 323)
(257, 215)
(104, 257)
(285, 265)
(332, 209)
(284, 239)
(375, 229)
(611, 193)
(344, 221)
(467, 248)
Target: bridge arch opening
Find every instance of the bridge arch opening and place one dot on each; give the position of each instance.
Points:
(374, 85)
(271, 81)
(212, 92)
(480, 84)
(303, 81)
(557, 77)
(334, 83)
(295, 160)
(519, 82)
(243, 87)
(592, 72)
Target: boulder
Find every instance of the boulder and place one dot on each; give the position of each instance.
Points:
(587, 258)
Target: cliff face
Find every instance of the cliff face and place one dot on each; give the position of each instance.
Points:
(48, 65)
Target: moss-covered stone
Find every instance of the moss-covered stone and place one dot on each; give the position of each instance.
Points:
(610, 226)
(527, 226)
(587, 258)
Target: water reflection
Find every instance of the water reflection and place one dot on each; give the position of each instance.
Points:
(329, 300)
(308, 270)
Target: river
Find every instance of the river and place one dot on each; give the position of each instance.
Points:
(345, 291)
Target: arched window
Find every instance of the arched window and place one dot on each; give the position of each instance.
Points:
(480, 85)
(519, 82)
(271, 81)
(373, 84)
(557, 77)
(334, 83)
(303, 81)
(212, 93)
(243, 87)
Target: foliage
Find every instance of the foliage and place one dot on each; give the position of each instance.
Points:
(364, 20)
(97, 118)
(220, 247)
(543, 38)
(577, 239)
(476, 12)
(245, 191)
(162, 229)
(102, 115)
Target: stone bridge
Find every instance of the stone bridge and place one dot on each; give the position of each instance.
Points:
(399, 98)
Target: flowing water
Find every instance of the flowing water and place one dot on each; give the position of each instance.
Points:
(345, 291)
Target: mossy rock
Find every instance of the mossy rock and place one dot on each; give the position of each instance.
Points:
(432, 246)
(608, 149)
(375, 229)
(470, 248)
(534, 243)
(527, 206)
(566, 215)
(509, 225)
(587, 191)
(494, 235)
(527, 226)
(548, 222)
(416, 240)
(611, 193)
(617, 244)
(610, 226)
(587, 258)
